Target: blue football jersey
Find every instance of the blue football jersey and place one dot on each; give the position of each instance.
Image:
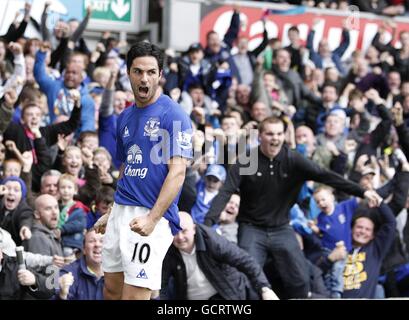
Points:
(146, 139)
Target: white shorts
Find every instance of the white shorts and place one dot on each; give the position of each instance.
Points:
(139, 258)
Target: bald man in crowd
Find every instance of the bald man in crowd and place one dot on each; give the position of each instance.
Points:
(44, 240)
(202, 265)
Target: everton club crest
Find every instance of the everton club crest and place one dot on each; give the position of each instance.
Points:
(151, 128)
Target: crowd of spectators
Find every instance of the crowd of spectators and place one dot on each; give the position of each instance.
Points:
(389, 8)
(59, 102)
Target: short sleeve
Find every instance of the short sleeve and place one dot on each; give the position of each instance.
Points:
(179, 134)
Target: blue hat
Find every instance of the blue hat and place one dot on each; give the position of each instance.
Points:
(217, 171)
(19, 180)
(195, 47)
(97, 90)
(336, 111)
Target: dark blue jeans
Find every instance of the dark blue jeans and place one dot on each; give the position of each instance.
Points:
(282, 245)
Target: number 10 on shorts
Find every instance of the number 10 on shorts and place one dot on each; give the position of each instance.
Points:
(144, 253)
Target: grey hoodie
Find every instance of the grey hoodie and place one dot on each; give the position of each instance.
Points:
(43, 241)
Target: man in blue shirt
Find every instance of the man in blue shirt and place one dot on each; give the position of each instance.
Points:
(83, 279)
(60, 93)
(153, 145)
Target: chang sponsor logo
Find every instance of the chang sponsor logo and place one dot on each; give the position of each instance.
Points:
(134, 156)
(135, 172)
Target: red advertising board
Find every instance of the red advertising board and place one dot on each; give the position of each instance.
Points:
(364, 26)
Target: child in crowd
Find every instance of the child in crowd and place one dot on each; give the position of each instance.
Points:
(11, 167)
(103, 160)
(103, 202)
(72, 163)
(101, 77)
(88, 139)
(16, 216)
(207, 189)
(72, 220)
(334, 228)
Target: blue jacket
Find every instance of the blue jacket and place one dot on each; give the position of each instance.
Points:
(220, 93)
(230, 269)
(72, 232)
(200, 208)
(57, 93)
(107, 136)
(336, 54)
(298, 220)
(92, 218)
(185, 76)
(227, 44)
(86, 286)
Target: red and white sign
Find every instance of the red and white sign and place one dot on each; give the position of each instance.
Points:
(361, 35)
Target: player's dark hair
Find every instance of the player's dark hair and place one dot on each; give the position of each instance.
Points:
(144, 49)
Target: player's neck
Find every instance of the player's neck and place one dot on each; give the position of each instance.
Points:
(144, 104)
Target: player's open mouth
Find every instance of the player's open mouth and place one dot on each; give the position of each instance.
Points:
(143, 90)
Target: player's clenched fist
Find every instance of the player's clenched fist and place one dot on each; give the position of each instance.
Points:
(142, 225)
